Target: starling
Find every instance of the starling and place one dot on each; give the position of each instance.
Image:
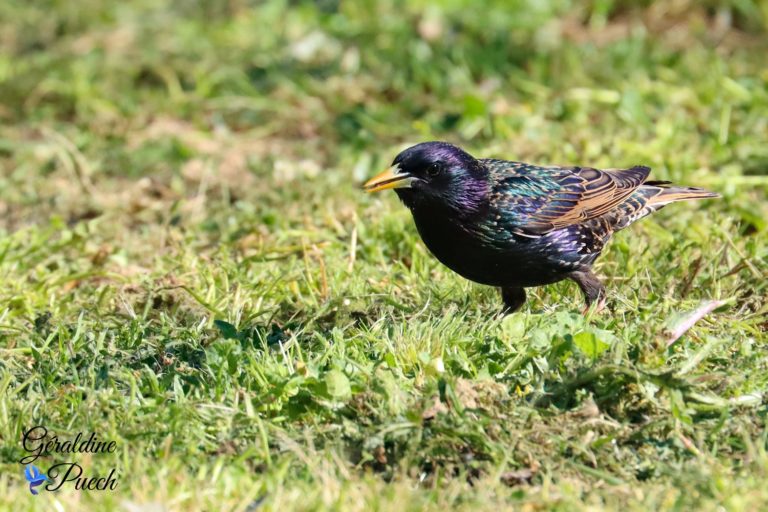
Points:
(514, 225)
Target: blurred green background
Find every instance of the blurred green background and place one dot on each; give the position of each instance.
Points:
(189, 267)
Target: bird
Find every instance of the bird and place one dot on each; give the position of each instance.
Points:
(515, 225)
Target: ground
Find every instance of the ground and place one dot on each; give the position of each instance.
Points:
(189, 267)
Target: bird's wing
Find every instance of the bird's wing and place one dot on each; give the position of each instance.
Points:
(536, 200)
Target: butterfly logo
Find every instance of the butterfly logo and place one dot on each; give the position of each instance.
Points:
(34, 477)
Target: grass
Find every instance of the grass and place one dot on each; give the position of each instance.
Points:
(189, 267)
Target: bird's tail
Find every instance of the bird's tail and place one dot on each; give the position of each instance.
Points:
(652, 196)
(666, 193)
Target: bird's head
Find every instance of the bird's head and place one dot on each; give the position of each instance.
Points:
(435, 174)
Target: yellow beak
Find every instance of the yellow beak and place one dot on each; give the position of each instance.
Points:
(391, 178)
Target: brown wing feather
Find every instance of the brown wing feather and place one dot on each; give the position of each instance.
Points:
(585, 194)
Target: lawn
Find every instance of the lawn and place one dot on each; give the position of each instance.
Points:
(190, 269)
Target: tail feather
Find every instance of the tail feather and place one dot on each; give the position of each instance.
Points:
(666, 194)
(652, 196)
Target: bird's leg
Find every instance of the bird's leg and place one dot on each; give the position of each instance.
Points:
(591, 287)
(513, 298)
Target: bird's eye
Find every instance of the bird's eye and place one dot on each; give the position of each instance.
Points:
(434, 169)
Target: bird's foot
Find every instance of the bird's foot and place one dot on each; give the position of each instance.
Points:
(592, 288)
(513, 298)
(594, 307)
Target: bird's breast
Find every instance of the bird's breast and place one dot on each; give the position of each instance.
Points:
(473, 250)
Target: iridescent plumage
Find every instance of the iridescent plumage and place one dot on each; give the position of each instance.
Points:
(516, 225)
